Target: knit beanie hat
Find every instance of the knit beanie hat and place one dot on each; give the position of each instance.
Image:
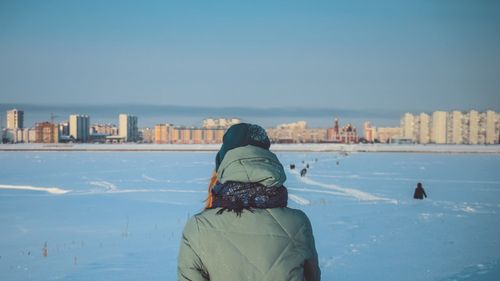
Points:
(239, 135)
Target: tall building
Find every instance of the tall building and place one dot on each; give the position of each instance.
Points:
(369, 132)
(491, 132)
(454, 127)
(438, 129)
(407, 126)
(15, 119)
(79, 127)
(423, 128)
(472, 132)
(46, 132)
(128, 128)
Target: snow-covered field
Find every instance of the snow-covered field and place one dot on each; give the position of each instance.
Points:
(119, 215)
(300, 147)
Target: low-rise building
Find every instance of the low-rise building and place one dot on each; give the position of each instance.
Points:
(387, 134)
(296, 132)
(169, 134)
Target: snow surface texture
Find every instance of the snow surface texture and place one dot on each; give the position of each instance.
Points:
(119, 215)
(306, 147)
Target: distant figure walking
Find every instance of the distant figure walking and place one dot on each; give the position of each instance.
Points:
(303, 172)
(292, 166)
(419, 192)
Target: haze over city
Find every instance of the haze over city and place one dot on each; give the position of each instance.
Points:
(260, 60)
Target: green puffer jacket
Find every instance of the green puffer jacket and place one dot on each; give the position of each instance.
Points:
(266, 244)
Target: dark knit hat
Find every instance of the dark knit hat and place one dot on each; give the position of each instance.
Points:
(239, 135)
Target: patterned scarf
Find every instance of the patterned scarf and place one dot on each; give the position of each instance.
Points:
(238, 196)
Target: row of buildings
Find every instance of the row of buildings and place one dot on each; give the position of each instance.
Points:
(79, 129)
(441, 127)
(211, 132)
(298, 132)
(76, 129)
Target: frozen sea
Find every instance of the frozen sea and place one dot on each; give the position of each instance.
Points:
(119, 215)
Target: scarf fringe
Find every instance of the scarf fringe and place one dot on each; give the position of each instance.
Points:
(237, 196)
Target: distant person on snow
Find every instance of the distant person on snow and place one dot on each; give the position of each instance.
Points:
(419, 192)
(246, 231)
(303, 172)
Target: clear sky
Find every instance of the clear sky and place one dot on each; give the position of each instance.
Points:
(412, 56)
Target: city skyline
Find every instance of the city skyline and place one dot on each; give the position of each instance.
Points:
(151, 115)
(351, 56)
(440, 127)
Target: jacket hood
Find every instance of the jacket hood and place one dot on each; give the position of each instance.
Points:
(239, 135)
(251, 164)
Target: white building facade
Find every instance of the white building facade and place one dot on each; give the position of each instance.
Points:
(127, 128)
(455, 127)
(15, 119)
(79, 127)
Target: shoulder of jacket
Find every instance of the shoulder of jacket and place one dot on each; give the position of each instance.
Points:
(191, 226)
(296, 212)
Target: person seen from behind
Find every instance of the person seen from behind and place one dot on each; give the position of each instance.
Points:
(419, 192)
(246, 231)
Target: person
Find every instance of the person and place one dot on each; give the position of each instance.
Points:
(246, 231)
(419, 192)
(303, 172)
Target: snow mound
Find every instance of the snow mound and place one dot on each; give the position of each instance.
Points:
(51, 190)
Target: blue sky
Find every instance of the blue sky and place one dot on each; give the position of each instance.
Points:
(345, 55)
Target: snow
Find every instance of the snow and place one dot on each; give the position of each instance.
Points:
(109, 215)
(52, 190)
(306, 147)
(360, 195)
(299, 200)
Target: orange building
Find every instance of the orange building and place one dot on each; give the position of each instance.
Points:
(174, 136)
(161, 134)
(185, 135)
(208, 136)
(166, 133)
(197, 136)
(46, 132)
(219, 134)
